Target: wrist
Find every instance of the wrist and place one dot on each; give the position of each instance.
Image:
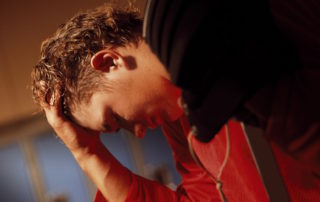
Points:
(94, 147)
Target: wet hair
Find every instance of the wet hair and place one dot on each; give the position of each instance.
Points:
(64, 65)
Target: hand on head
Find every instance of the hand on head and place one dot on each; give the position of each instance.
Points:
(75, 137)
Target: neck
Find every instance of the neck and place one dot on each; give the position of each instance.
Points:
(174, 111)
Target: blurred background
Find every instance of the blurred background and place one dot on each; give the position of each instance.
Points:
(34, 164)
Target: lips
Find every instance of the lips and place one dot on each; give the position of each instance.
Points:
(139, 130)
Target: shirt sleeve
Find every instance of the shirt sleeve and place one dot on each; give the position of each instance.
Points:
(142, 189)
(196, 184)
(145, 190)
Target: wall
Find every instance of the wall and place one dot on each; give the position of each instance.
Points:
(23, 26)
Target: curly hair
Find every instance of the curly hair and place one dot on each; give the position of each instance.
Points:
(64, 64)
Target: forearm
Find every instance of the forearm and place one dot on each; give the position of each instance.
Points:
(93, 157)
(110, 177)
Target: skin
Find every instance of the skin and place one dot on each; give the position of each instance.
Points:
(137, 97)
(140, 95)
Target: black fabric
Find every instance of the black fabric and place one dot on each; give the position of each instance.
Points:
(219, 52)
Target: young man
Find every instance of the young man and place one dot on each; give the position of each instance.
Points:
(96, 73)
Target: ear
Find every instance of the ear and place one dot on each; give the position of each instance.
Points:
(105, 60)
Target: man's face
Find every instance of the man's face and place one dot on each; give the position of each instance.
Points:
(133, 100)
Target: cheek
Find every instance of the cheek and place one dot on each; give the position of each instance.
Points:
(134, 100)
(132, 107)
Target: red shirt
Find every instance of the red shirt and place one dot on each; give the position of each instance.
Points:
(293, 129)
(240, 178)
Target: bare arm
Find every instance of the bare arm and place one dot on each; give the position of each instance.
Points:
(110, 177)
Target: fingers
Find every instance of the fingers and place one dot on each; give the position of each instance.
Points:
(75, 137)
(53, 111)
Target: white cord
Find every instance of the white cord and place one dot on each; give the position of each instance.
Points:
(217, 179)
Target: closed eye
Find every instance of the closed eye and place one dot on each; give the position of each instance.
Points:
(116, 118)
(114, 125)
